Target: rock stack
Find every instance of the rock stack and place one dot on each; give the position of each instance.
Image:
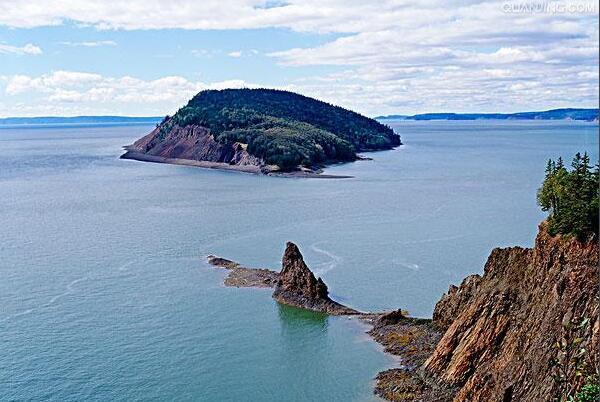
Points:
(297, 286)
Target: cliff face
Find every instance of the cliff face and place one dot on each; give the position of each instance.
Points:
(193, 143)
(297, 286)
(502, 327)
(454, 302)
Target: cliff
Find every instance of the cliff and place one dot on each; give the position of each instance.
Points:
(297, 286)
(193, 143)
(261, 131)
(502, 328)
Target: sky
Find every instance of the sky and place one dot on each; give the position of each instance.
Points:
(149, 57)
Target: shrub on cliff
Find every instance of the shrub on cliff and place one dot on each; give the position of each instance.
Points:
(571, 197)
(574, 369)
(590, 392)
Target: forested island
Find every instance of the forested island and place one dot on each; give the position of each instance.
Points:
(261, 131)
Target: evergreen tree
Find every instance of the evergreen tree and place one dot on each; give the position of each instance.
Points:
(571, 197)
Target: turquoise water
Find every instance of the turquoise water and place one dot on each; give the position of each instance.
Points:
(105, 293)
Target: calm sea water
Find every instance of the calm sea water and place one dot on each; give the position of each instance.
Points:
(106, 295)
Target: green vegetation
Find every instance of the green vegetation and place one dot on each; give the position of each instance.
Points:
(284, 128)
(574, 367)
(590, 392)
(571, 196)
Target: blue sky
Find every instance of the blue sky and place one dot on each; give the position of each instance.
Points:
(73, 57)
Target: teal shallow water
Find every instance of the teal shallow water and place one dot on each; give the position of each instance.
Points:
(106, 294)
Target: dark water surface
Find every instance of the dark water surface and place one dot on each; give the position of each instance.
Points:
(105, 293)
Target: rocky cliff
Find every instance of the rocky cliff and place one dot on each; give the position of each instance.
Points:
(193, 143)
(297, 286)
(454, 302)
(502, 327)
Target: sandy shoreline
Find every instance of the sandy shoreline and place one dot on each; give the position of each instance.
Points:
(138, 156)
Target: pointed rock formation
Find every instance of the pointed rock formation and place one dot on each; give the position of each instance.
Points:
(297, 286)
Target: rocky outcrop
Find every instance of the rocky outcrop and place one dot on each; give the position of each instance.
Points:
(193, 143)
(243, 277)
(297, 286)
(502, 327)
(413, 340)
(454, 302)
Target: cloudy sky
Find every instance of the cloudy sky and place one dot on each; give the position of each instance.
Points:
(148, 57)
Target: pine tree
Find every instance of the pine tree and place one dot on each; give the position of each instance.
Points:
(571, 197)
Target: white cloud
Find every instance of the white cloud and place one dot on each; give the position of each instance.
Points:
(203, 53)
(237, 53)
(29, 49)
(79, 92)
(397, 56)
(90, 43)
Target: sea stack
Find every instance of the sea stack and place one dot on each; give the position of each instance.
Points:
(297, 286)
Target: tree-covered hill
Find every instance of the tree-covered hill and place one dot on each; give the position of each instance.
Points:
(282, 128)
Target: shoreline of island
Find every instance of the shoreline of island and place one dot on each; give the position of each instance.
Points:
(250, 169)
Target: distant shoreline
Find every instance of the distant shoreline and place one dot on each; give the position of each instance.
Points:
(567, 114)
(77, 120)
(73, 125)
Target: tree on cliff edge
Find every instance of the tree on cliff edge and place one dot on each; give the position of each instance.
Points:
(571, 197)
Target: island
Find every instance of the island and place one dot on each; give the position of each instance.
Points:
(262, 131)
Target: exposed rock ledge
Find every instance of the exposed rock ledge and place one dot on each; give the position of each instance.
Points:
(242, 277)
(500, 328)
(295, 285)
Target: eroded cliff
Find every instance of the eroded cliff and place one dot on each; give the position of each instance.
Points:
(502, 327)
(194, 143)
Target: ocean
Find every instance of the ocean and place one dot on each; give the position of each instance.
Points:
(106, 293)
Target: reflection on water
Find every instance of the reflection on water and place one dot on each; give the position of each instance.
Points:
(292, 318)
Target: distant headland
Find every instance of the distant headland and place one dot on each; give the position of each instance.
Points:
(554, 114)
(61, 120)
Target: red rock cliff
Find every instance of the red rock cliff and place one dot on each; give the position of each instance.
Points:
(191, 143)
(501, 327)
